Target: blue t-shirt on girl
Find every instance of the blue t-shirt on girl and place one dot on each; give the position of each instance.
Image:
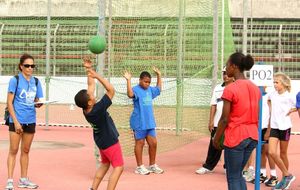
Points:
(24, 98)
(298, 100)
(142, 117)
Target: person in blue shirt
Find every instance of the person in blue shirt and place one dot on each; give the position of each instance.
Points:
(142, 120)
(23, 91)
(104, 130)
(298, 103)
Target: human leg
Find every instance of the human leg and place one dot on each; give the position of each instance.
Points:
(114, 177)
(235, 160)
(273, 142)
(24, 182)
(138, 151)
(100, 173)
(14, 141)
(152, 142)
(27, 139)
(213, 154)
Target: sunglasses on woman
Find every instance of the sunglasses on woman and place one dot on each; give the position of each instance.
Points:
(27, 66)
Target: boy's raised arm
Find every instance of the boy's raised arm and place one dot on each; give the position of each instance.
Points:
(92, 74)
(87, 63)
(127, 76)
(158, 73)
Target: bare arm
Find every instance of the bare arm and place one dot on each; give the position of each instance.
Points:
(222, 123)
(291, 111)
(212, 113)
(91, 75)
(10, 98)
(127, 76)
(158, 73)
(110, 91)
(267, 134)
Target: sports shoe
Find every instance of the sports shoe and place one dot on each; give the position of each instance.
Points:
(9, 185)
(249, 176)
(142, 170)
(287, 181)
(203, 170)
(27, 184)
(262, 179)
(155, 169)
(278, 186)
(272, 181)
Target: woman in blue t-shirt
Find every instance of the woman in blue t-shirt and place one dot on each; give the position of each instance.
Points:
(24, 91)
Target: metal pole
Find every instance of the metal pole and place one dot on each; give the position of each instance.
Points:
(110, 63)
(215, 43)
(280, 49)
(251, 33)
(47, 79)
(259, 144)
(54, 50)
(1, 30)
(245, 19)
(165, 52)
(179, 77)
(223, 36)
(100, 58)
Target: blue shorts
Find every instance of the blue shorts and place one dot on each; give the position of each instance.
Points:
(142, 134)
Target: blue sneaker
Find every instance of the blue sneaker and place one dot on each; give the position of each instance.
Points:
(284, 183)
(278, 186)
(287, 181)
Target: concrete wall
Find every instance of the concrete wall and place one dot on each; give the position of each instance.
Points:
(266, 8)
(137, 8)
(150, 8)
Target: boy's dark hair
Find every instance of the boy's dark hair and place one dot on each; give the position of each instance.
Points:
(243, 62)
(23, 58)
(145, 74)
(81, 99)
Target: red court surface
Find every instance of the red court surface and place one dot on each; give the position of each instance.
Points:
(55, 166)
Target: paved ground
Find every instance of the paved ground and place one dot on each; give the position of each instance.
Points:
(62, 159)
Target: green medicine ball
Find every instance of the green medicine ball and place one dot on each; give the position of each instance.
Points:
(97, 44)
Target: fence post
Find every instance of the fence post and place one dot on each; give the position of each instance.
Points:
(280, 49)
(215, 46)
(245, 25)
(179, 77)
(47, 78)
(1, 30)
(54, 49)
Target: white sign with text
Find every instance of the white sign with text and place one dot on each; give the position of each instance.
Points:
(262, 75)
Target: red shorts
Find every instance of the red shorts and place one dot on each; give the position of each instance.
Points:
(112, 155)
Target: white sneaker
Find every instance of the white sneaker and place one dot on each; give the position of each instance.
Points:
(142, 170)
(203, 170)
(9, 185)
(155, 169)
(249, 176)
(27, 184)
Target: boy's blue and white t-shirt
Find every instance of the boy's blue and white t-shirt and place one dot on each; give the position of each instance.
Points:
(142, 117)
(24, 98)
